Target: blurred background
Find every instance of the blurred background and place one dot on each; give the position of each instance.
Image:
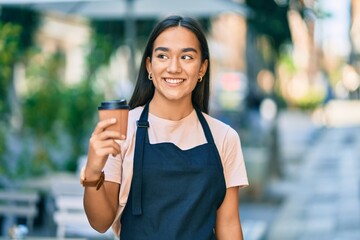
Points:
(285, 75)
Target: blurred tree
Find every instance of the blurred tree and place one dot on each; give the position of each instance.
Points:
(9, 39)
(59, 118)
(28, 20)
(40, 107)
(270, 19)
(18, 28)
(108, 36)
(51, 111)
(44, 95)
(79, 115)
(15, 40)
(267, 32)
(9, 42)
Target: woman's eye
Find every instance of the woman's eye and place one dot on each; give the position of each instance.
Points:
(187, 57)
(162, 56)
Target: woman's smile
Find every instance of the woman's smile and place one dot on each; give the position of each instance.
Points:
(174, 81)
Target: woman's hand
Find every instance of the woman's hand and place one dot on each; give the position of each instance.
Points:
(101, 144)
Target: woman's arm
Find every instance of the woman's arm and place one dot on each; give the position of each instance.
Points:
(228, 220)
(101, 205)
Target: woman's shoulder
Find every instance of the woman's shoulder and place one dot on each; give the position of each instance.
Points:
(135, 113)
(214, 122)
(219, 128)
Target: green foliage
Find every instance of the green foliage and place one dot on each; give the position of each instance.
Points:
(100, 51)
(15, 39)
(79, 108)
(44, 98)
(27, 19)
(108, 36)
(287, 61)
(311, 100)
(9, 43)
(57, 119)
(61, 112)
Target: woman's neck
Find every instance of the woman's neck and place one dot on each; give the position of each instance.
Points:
(171, 110)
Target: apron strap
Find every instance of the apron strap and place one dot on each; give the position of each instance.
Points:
(205, 127)
(209, 136)
(141, 132)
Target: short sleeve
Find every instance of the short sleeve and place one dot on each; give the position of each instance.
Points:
(112, 169)
(233, 160)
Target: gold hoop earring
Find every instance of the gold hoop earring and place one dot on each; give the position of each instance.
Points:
(200, 79)
(150, 77)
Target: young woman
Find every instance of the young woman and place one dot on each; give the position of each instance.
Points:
(177, 174)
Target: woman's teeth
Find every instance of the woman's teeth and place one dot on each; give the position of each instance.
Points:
(174, 81)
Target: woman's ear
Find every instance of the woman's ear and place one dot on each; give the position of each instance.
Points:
(203, 68)
(148, 64)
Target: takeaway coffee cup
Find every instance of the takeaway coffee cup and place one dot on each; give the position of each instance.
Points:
(115, 109)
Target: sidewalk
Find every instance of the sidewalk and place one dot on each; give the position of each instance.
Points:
(324, 203)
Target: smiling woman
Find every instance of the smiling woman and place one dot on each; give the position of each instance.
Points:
(175, 67)
(178, 172)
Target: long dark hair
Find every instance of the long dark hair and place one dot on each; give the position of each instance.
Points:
(144, 88)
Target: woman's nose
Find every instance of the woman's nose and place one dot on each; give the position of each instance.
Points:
(174, 66)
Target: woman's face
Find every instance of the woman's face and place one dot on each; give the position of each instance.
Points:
(176, 64)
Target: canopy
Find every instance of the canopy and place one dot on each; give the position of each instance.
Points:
(130, 10)
(117, 9)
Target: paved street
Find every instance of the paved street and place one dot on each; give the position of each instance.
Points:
(318, 193)
(325, 201)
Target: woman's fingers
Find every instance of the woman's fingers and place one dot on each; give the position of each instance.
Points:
(105, 135)
(102, 143)
(100, 127)
(97, 144)
(115, 148)
(104, 152)
(101, 149)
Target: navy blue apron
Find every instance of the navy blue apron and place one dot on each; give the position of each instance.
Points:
(174, 193)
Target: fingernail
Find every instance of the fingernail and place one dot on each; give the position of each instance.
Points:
(123, 136)
(113, 120)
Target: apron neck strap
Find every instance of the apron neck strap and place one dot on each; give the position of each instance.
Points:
(205, 126)
(141, 133)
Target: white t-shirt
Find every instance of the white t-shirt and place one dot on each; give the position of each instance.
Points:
(185, 133)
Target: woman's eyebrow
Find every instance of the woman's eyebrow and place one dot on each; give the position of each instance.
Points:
(189, 50)
(165, 49)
